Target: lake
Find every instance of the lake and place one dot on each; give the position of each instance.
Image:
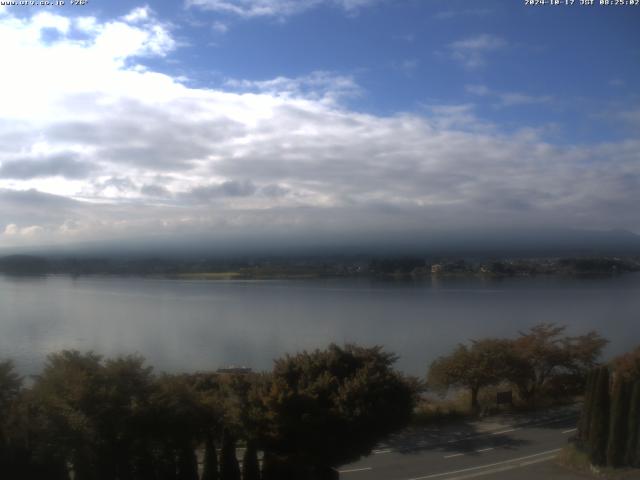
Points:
(182, 325)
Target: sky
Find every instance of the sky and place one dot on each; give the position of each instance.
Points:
(315, 119)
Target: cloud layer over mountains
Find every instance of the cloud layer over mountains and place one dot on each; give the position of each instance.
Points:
(94, 145)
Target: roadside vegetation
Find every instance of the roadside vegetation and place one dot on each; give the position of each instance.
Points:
(86, 417)
(542, 366)
(90, 418)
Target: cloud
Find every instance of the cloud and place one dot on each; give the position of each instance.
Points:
(480, 90)
(450, 14)
(509, 99)
(220, 27)
(137, 15)
(66, 165)
(12, 230)
(117, 150)
(472, 52)
(319, 85)
(407, 67)
(224, 189)
(274, 8)
(152, 190)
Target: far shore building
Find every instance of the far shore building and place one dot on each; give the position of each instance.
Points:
(234, 370)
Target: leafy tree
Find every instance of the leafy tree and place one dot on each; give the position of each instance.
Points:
(98, 414)
(617, 424)
(331, 406)
(69, 396)
(179, 421)
(123, 421)
(10, 390)
(628, 364)
(599, 427)
(10, 386)
(542, 353)
(483, 363)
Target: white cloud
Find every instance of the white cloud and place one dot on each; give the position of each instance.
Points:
(110, 149)
(508, 99)
(12, 230)
(220, 27)
(274, 8)
(137, 15)
(319, 85)
(472, 52)
(480, 90)
(511, 99)
(450, 14)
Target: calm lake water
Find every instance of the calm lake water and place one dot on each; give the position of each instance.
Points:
(186, 325)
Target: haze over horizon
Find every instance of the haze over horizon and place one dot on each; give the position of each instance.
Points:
(318, 122)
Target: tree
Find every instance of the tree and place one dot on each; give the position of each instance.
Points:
(123, 420)
(628, 364)
(599, 427)
(68, 394)
(273, 468)
(329, 407)
(250, 465)
(632, 454)
(10, 385)
(587, 406)
(180, 421)
(229, 468)
(187, 464)
(485, 362)
(10, 390)
(542, 354)
(617, 424)
(210, 468)
(97, 414)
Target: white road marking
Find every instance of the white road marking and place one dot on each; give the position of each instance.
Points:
(353, 470)
(454, 455)
(484, 449)
(570, 430)
(480, 467)
(509, 429)
(378, 452)
(503, 468)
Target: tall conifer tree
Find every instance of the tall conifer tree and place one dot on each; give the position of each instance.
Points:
(250, 465)
(229, 468)
(587, 406)
(618, 423)
(187, 464)
(210, 469)
(632, 454)
(599, 426)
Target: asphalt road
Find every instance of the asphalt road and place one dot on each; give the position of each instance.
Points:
(504, 447)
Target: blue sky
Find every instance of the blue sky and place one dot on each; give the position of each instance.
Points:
(563, 65)
(237, 113)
